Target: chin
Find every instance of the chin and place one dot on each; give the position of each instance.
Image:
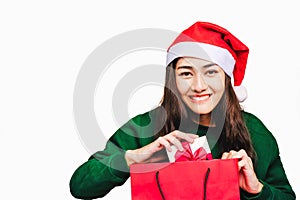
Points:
(201, 111)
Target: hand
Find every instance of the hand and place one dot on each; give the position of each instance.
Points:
(145, 154)
(247, 177)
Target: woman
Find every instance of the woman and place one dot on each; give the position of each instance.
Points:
(198, 100)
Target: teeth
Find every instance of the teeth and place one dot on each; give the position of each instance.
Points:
(200, 98)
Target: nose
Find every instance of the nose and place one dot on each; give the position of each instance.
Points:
(199, 84)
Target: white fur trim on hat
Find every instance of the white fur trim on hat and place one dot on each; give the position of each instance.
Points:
(241, 93)
(222, 57)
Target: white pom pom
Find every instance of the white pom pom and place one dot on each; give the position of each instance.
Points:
(241, 93)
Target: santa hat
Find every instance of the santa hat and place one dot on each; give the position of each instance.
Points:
(215, 44)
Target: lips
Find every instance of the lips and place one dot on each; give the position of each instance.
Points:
(199, 98)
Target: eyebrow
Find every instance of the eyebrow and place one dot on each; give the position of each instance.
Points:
(189, 67)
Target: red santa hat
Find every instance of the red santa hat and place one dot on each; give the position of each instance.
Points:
(213, 43)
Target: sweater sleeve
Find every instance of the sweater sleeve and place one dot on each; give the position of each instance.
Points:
(101, 173)
(106, 169)
(269, 168)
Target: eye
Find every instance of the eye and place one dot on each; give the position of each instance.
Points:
(185, 74)
(211, 72)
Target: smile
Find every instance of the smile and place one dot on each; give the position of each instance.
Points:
(199, 98)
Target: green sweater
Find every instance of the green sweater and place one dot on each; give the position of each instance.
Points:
(107, 169)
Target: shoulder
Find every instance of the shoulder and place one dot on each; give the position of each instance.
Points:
(260, 134)
(137, 131)
(144, 124)
(146, 118)
(254, 124)
(252, 121)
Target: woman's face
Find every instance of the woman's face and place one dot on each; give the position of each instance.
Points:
(200, 84)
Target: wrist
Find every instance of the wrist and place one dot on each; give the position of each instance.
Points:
(129, 158)
(258, 188)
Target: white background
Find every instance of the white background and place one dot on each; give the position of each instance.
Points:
(44, 44)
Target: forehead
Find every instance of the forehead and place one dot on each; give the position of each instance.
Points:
(192, 62)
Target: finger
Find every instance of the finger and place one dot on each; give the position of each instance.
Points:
(173, 140)
(248, 164)
(184, 136)
(162, 141)
(242, 163)
(232, 154)
(243, 153)
(244, 160)
(192, 136)
(245, 163)
(225, 155)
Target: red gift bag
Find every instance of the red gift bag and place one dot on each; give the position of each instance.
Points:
(204, 179)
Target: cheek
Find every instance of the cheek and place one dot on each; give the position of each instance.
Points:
(217, 84)
(182, 86)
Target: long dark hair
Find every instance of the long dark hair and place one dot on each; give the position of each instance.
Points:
(234, 134)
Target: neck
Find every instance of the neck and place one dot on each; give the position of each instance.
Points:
(202, 119)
